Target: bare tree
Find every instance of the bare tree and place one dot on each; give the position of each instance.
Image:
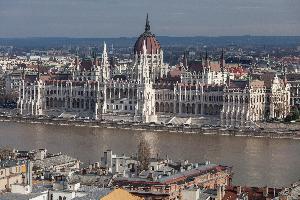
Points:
(144, 155)
(6, 153)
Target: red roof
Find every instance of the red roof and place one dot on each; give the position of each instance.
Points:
(152, 44)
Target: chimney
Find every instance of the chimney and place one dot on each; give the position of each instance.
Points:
(219, 193)
(29, 173)
(266, 191)
(223, 191)
(238, 190)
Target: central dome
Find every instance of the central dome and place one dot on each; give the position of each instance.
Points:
(152, 44)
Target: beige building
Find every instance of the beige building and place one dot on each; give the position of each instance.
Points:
(11, 172)
(246, 102)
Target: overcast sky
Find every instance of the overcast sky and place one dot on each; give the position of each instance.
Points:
(115, 18)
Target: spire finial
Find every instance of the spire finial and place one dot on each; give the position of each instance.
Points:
(147, 26)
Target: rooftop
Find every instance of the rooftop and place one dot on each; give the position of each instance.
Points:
(53, 161)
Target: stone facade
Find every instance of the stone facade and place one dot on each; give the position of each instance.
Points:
(91, 90)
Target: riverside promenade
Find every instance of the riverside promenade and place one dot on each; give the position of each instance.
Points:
(266, 130)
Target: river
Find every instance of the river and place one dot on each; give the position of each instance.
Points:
(255, 161)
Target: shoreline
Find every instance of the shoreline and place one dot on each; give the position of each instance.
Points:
(273, 134)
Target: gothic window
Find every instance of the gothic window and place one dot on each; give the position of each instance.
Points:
(246, 100)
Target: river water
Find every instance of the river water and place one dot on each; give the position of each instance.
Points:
(255, 161)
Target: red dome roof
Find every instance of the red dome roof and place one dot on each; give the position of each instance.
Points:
(152, 44)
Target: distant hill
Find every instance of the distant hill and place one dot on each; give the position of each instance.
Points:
(38, 42)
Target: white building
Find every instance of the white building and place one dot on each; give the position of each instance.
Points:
(92, 91)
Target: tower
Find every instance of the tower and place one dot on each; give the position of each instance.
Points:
(153, 52)
(145, 106)
(105, 65)
(222, 66)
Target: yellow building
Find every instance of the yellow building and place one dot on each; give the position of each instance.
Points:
(120, 194)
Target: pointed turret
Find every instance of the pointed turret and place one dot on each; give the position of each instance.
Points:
(185, 60)
(284, 73)
(104, 54)
(105, 64)
(207, 67)
(228, 81)
(38, 72)
(222, 61)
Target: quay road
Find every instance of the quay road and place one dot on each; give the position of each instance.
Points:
(269, 130)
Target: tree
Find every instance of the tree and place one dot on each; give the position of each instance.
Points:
(6, 153)
(144, 155)
(295, 113)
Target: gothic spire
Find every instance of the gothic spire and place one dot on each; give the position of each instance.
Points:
(147, 26)
(206, 60)
(222, 61)
(38, 72)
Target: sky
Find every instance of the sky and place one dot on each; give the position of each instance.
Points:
(126, 18)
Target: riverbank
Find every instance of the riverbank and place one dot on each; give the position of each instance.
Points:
(268, 131)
